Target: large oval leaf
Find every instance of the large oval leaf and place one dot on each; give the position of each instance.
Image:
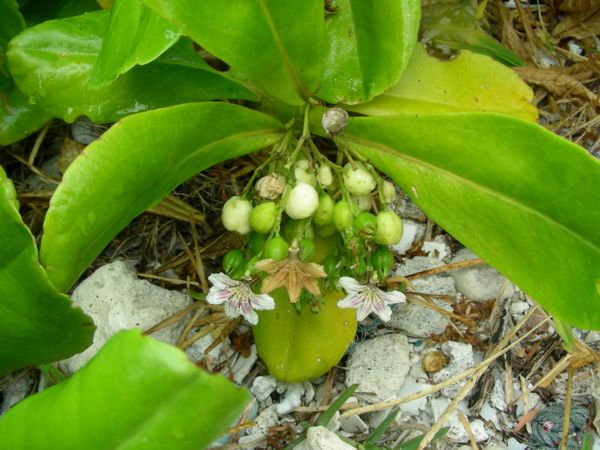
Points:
(37, 324)
(135, 394)
(275, 43)
(52, 63)
(367, 46)
(519, 196)
(468, 83)
(18, 117)
(135, 35)
(136, 163)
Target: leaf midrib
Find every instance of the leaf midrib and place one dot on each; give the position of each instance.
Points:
(465, 181)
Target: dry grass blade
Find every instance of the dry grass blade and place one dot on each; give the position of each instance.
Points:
(177, 209)
(465, 423)
(567, 414)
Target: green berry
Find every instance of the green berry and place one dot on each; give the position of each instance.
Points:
(382, 260)
(358, 180)
(324, 213)
(256, 242)
(389, 228)
(233, 261)
(365, 222)
(307, 249)
(276, 248)
(342, 216)
(263, 216)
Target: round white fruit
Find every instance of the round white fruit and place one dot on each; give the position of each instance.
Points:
(236, 215)
(358, 180)
(302, 201)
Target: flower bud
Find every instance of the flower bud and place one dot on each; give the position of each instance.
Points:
(334, 120)
(358, 181)
(303, 173)
(270, 186)
(389, 191)
(236, 215)
(302, 202)
(324, 176)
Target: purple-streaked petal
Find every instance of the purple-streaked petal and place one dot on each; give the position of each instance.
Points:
(222, 281)
(251, 316)
(262, 301)
(363, 311)
(351, 286)
(383, 311)
(231, 312)
(350, 301)
(393, 297)
(217, 296)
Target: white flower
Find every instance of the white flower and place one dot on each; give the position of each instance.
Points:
(367, 298)
(238, 297)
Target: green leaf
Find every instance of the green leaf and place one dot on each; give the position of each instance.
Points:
(468, 83)
(11, 24)
(135, 35)
(37, 324)
(136, 393)
(136, 163)
(52, 63)
(37, 11)
(18, 118)
(368, 45)
(520, 197)
(276, 44)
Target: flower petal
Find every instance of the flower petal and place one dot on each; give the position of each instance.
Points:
(393, 297)
(350, 301)
(350, 285)
(216, 296)
(383, 311)
(222, 281)
(262, 301)
(251, 316)
(363, 311)
(231, 312)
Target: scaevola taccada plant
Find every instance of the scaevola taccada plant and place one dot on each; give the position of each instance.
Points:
(339, 96)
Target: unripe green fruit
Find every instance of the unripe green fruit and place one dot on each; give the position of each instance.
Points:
(389, 228)
(256, 242)
(342, 216)
(364, 202)
(358, 181)
(276, 248)
(233, 261)
(302, 201)
(262, 217)
(365, 222)
(236, 215)
(324, 213)
(382, 260)
(304, 173)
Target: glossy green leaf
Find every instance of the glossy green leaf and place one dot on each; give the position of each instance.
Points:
(37, 324)
(136, 394)
(11, 24)
(367, 46)
(136, 163)
(37, 11)
(18, 117)
(468, 83)
(276, 44)
(52, 62)
(135, 35)
(520, 197)
(297, 347)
